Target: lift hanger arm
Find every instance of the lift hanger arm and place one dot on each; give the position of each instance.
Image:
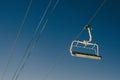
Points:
(89, 32)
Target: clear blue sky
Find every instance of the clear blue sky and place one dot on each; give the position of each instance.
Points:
(67, 21)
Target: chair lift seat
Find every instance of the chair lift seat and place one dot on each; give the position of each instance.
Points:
(86, 55)
(85, 43)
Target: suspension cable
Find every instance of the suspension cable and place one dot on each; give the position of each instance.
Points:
(37, 39)
(96, 12)
(92, 17)
(30, 45)
(54, 65)
(15, 41)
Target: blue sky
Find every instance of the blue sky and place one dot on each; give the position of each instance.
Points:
(68, 19)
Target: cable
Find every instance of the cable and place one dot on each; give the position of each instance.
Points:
(37, 39)
(15, 41)
(96, 12)
(77, 37)
(55, 64)
(47, 20)
(30, 45)
(61, 57)
(43, 17)
(92, 17)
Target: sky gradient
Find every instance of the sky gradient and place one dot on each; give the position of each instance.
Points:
(64, 25)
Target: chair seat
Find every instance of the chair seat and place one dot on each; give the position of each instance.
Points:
(86, 55)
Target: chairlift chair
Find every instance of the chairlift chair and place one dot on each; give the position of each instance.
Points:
(86, 44)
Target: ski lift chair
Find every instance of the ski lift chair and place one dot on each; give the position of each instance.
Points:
(86, 44)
